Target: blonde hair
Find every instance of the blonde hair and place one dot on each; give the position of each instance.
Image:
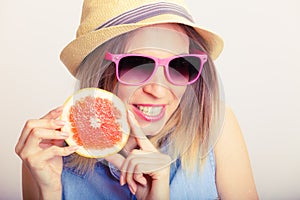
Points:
(188, 130)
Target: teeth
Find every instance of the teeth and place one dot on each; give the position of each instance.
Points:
(150, 111)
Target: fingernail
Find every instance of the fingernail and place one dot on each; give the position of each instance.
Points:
(131, 115)
(60, 122)
(131, 189)
(59, 108)
(73, 148)
(143, 181)
(64, 134)
(122, 181)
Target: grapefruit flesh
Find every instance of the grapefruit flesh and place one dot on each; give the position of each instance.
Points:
(97, 122)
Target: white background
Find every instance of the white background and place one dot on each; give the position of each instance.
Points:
(260, 69)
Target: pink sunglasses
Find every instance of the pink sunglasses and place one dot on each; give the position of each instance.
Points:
(137, 69)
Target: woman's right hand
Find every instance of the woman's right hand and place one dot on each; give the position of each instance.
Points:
(145, 170)
(41, 147)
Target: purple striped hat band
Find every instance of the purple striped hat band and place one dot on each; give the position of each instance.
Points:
(145, 12)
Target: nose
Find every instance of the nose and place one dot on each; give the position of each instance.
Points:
(157, 86)
(155, 90)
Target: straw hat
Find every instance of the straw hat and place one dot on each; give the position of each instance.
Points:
(102, 20)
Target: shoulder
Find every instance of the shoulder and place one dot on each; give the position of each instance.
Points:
(233, 170)
(231, 134)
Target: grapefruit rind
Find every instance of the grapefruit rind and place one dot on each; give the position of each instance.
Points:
(95, 92)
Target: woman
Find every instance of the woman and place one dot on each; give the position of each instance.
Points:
(180, 147)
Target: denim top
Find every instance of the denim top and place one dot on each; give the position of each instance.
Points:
(103, 183)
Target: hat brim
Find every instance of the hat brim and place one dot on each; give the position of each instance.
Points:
(74, 53)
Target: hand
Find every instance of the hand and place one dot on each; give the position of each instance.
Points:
(145, 170)
(40, 146)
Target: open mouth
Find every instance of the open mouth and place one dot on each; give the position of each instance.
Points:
(150, 112)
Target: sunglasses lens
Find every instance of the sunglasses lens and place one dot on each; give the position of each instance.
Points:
(185, 69)
(135, 69)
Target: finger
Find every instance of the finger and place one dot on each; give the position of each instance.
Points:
(53, 114)
(59, 151)
(55, 151)
(37, 135)
(139, 177)
(130, 182)
(138, 133)
(39, 158)
(132, 187)
(36, 123)
(125, 173)
(47, 121)
(57, 142)
(132, 173)
(145, 162)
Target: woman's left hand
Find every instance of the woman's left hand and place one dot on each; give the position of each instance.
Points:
(145, 170)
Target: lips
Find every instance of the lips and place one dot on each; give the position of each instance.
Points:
(150, 112)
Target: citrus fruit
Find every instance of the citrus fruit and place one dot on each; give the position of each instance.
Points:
(96, 121)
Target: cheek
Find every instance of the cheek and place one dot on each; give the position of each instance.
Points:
(177, 96)
(178, 92)
(126, 93)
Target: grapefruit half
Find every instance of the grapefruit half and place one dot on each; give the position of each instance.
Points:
(96, 121)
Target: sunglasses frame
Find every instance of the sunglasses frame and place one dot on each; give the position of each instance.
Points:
(115, 58)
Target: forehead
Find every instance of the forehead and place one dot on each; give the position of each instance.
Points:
(168, 37)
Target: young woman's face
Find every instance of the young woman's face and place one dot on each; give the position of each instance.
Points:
(155, 101)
